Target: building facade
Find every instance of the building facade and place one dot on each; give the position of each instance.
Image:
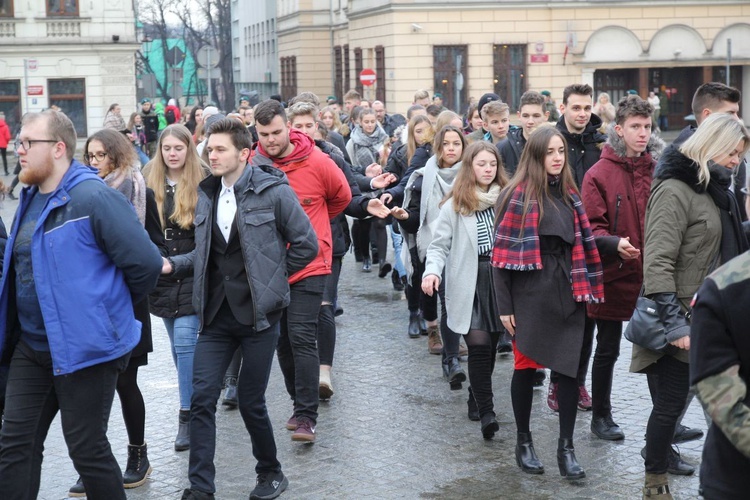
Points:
(77, 55)
(254, 47)
(464, 48)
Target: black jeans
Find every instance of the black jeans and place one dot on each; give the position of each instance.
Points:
(586, 348)
(669, 382)
(608, 336)
(83, 398)
(216, 345)
(326, 321)
(298, 349)
(451, 339)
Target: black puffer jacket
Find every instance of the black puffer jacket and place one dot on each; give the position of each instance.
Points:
(583, 149)
(173, 297)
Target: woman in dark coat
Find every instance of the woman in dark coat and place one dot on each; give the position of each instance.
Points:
(174, 174)
(545, 260)
(114, 157)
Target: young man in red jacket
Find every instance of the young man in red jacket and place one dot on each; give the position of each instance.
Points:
(615, 192)
(324, 193)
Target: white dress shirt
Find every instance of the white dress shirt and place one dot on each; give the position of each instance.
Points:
(226, 210)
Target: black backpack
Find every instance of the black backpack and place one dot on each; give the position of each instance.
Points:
(169, 115)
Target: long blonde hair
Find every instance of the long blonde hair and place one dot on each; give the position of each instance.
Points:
(411, 143)
(718, 135)
(186, 192)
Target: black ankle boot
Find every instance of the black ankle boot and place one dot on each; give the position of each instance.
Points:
(138, 467)
(182, 441)
(454, 373)
(566, 460)
(414, 332)
(230, 399)
(526, 455)
(489, 425)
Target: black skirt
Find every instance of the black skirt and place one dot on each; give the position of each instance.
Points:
(483, 314)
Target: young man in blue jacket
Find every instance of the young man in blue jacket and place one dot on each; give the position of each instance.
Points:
(76, 259)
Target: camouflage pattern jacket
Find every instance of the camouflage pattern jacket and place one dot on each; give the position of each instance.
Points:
(720, 373)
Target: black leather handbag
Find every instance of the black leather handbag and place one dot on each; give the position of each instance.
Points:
(645, 328)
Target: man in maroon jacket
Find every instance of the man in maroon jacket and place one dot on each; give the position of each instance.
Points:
(615, 192)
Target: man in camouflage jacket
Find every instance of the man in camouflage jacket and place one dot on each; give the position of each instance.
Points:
(720, 373)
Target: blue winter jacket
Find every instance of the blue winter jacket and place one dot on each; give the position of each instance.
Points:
(91, 258)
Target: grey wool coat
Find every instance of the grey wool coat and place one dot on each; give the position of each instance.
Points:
(454, 249)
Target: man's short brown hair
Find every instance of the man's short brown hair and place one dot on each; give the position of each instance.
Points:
(494, 108)
(577, 89)
(59, 128)
(632, 105)
(711, 95)
(352, 95)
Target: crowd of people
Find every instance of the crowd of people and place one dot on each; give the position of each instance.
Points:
(527, 241)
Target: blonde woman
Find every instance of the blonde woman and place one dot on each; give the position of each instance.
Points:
(692, 227)
(174, 175)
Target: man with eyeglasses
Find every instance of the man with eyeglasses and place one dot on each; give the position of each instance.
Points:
(77, 260)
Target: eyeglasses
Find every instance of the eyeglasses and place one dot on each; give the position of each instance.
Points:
(98, 156)
(27, 143)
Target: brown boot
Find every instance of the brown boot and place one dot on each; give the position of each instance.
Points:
(434, 341)
(657, 486)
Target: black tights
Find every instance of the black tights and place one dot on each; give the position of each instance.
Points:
(131, 401)
(522, 395)
(482, 346)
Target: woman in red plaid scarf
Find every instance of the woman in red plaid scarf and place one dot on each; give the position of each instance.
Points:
(546, 267)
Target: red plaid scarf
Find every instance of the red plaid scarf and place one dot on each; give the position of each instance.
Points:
(520, 252)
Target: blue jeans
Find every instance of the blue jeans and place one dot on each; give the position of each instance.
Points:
(142, 157)
(84, 400)
(398, 241)
(183, 334)
(216, 346)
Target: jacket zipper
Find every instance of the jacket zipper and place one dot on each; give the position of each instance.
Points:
(244, 263)
(617, 213)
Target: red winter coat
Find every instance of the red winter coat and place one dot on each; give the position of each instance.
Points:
(322, 189)
(4, 134)
(615, 193)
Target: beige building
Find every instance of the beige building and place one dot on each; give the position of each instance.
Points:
(79, 56)
(464, 48)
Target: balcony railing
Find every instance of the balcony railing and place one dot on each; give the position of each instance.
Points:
(64, 28)
(7, 29)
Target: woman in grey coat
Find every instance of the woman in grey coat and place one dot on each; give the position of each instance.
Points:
(461, 249)
(546, 267)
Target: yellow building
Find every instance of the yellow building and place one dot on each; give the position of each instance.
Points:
(510, 46)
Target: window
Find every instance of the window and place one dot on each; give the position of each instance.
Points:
(449, 67)
(380, 73)
(288, 77)
(70, 96)
(10, 103)
(347, 76)
(62, 7)
(6, 8)
(357, 70)
(509, 63)
(338, 82)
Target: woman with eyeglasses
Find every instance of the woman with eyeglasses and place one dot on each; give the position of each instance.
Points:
(174, 174)
(112, 154)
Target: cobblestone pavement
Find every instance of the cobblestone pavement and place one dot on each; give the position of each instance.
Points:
(392, 430)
